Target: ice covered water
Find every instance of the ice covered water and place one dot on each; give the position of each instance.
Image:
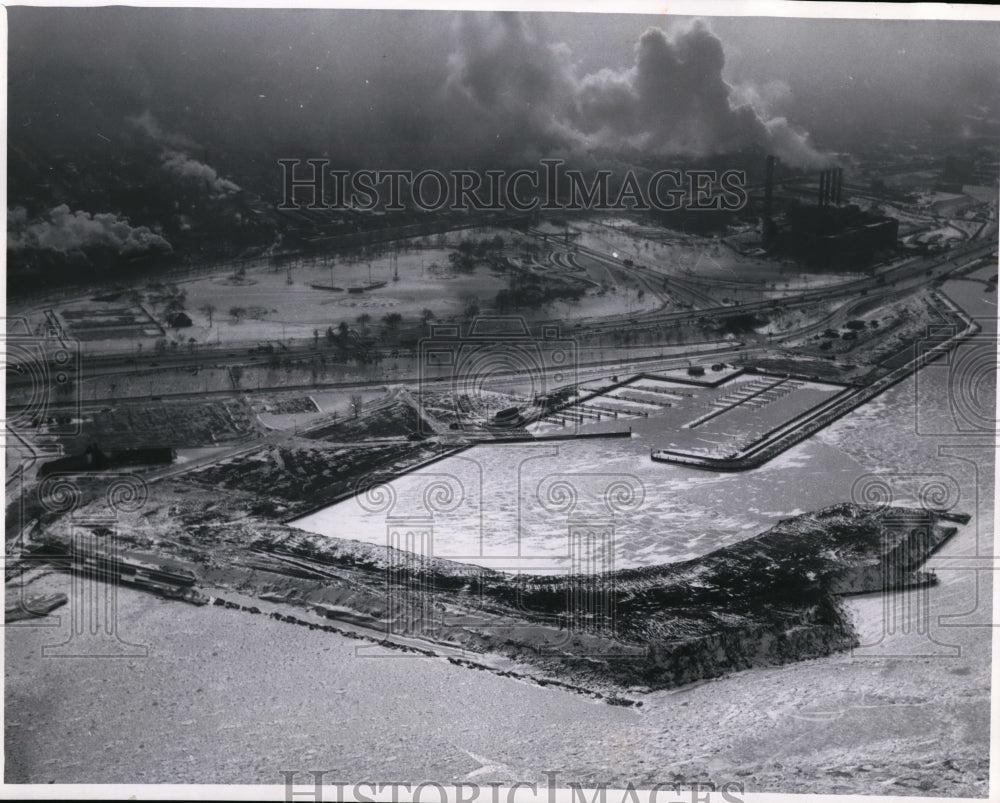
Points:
(503, 520)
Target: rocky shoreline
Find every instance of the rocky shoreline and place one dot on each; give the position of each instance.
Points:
(771, 599)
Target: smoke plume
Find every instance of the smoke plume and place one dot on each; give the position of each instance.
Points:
(64, 231)
(183, 166)
(672, 100)
(176, 160)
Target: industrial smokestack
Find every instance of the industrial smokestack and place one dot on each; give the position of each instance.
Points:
(840, 185)
(769, 186)
(830, 179)
(822, 187)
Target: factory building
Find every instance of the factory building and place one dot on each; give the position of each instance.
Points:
(827, 235)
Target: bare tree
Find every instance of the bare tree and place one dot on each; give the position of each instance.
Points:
(357, 401)
(208, 310)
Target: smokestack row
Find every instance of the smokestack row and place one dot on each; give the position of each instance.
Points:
(831, 186)
(769, 186)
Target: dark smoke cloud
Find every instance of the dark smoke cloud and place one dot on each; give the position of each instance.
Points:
(672, 100)
(64, 231)
(510, 85)
(413, 89)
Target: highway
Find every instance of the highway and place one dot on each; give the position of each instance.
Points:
(892, 281)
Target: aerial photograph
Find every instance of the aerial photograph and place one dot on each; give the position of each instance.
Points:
(496, 404)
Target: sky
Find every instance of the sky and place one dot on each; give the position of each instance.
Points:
(416, 89)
